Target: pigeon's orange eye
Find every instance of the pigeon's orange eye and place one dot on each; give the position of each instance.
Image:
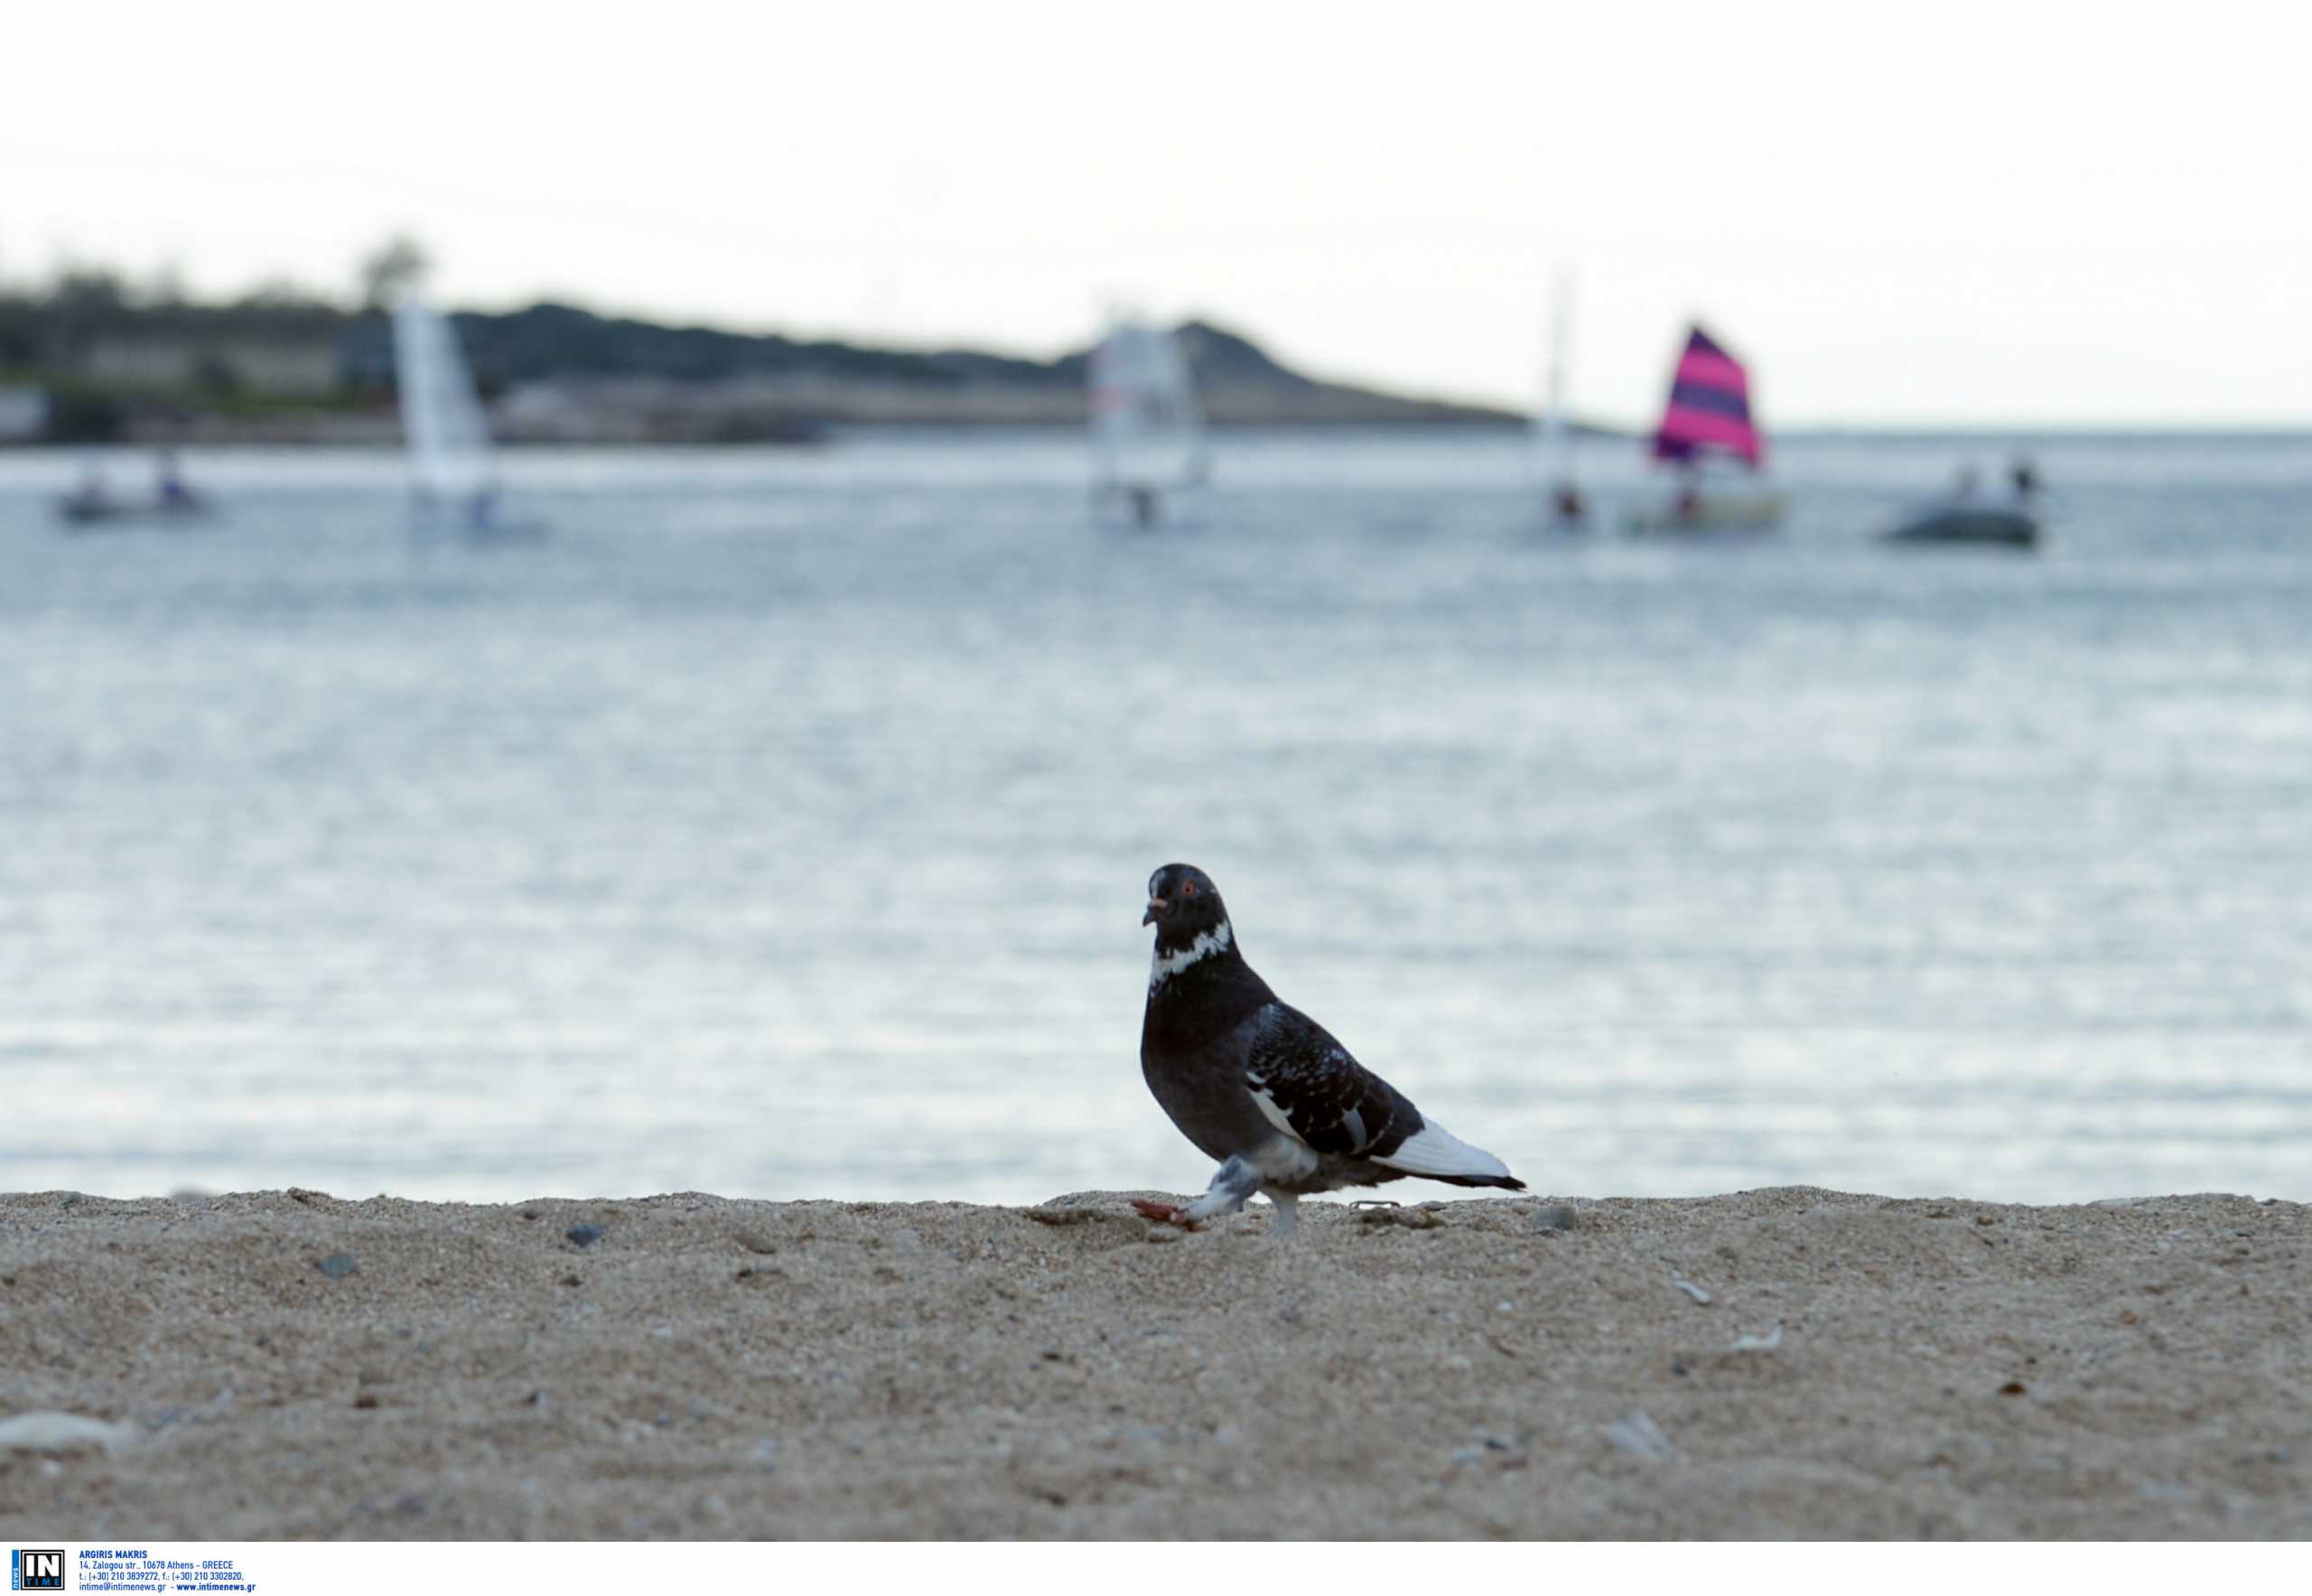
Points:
(1187, 889)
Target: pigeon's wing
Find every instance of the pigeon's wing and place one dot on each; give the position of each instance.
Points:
(1311, 1088)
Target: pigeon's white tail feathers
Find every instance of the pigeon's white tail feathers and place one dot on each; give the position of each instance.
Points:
(1440, 1156)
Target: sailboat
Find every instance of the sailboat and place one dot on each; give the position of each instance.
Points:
(453, 479)
(1567, 506)
(1147, 427)
(1707, 421)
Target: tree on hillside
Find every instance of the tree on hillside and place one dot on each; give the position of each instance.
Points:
(88, 291)
(279, 293)
(166, 286)
(397, 265)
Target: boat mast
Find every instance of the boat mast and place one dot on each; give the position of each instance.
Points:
(1556, 458)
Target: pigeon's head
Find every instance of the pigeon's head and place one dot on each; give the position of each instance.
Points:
(1181, 902)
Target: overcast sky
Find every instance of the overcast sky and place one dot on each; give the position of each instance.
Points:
(1993, 215)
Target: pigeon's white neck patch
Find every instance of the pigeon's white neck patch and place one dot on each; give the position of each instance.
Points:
(1165, 966)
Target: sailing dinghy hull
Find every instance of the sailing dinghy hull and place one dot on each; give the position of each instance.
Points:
(1729, 512)
(83, 514)
(1984, 525)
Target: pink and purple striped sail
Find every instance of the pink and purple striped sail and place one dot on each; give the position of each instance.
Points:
(1710, 407)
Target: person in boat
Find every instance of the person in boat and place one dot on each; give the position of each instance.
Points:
(1145, 506)
(94, 492)
(2024, 475)
(1569, 502)
(169, 482)
(1687, 506)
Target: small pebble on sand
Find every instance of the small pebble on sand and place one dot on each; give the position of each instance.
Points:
(1641, 1436)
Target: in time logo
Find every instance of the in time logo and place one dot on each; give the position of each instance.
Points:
(36, 1568)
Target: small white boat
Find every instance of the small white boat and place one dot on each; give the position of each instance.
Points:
(1147, 427)
(1567, 509)
(452, 476)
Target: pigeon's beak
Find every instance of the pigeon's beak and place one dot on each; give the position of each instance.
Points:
(1156, 908)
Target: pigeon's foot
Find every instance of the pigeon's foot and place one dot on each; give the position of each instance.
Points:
(1288, 1212)
(1163, 1213)
(1232, 1183)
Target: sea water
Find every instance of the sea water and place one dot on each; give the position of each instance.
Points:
(778, 827)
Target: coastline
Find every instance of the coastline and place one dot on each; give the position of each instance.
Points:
(1782, 1363)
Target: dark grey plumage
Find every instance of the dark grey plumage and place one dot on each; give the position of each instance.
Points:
(1260, 1086)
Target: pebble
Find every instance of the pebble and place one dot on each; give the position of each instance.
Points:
(584, 1234)
(1639, 1435)
(64, 1432)
(1420, 1218)
(1693, 1290)
(337, 1266)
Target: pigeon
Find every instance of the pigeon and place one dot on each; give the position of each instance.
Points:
(1260, 1086)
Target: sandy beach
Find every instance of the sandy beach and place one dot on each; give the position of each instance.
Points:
(1780, 1363)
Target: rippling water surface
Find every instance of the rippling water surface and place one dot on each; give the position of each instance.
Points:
(778, 828)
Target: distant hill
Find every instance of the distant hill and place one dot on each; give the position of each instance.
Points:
(834, 381)
(290, 369)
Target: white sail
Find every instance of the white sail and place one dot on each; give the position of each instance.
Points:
(441, 415)
(1147, 428)
(1555, 439)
